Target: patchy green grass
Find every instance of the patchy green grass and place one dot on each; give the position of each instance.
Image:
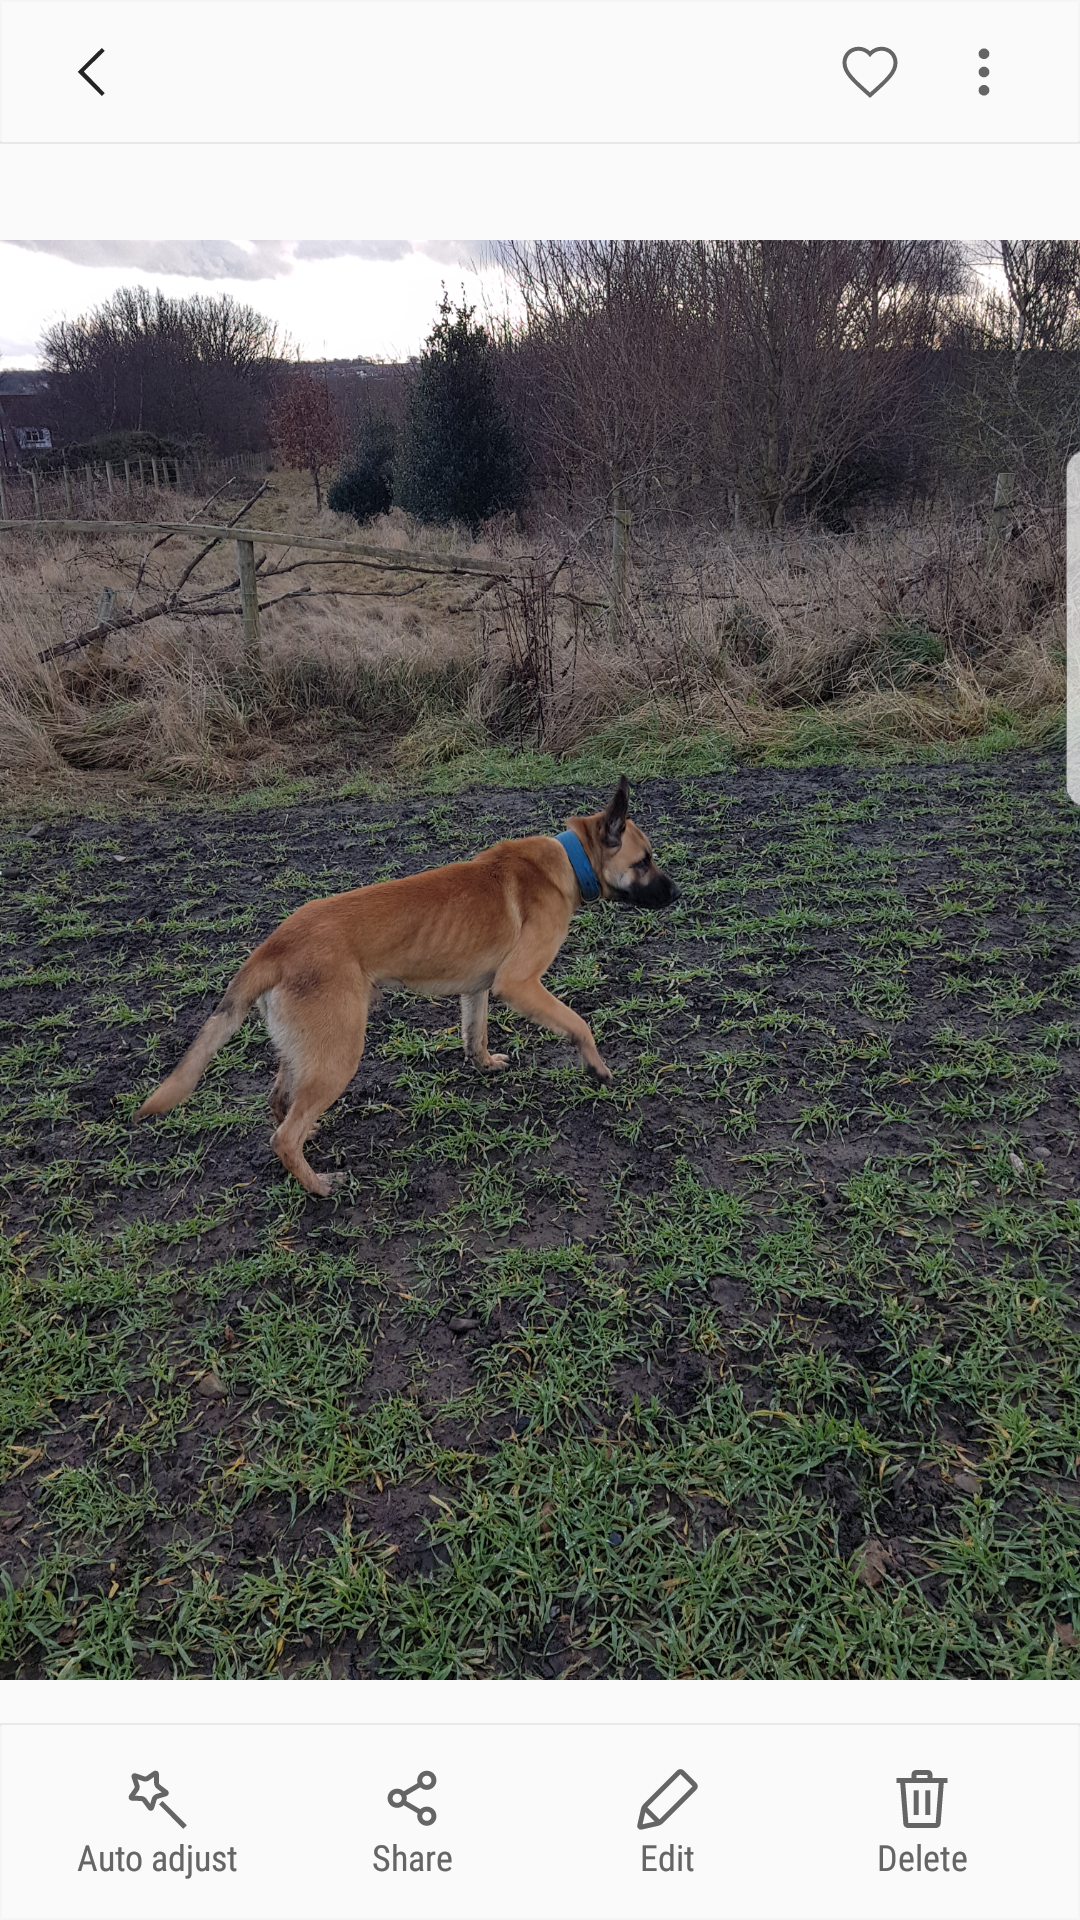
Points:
(764, 1363)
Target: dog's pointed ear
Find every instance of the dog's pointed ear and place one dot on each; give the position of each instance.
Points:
(613, 822)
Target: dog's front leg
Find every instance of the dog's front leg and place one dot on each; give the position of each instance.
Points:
(474, 1034)
(536, 1003)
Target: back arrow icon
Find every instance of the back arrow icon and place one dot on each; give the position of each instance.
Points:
(83, 75)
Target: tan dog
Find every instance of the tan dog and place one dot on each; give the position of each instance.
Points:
(489, 925)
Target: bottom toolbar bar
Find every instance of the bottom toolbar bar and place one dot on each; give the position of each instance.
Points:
(530, 1822)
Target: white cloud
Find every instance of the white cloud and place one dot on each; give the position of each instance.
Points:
(453, 253)
(244, 259)
(353, 249)
(189, 259)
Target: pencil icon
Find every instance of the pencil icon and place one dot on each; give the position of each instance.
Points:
(666, 1800)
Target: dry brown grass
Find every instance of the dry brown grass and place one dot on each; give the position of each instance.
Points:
(896, 633)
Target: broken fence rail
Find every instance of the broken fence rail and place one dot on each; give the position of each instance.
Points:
(351, 553)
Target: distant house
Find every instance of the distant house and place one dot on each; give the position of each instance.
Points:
(335, 370)
(27, 425)
(356, 388)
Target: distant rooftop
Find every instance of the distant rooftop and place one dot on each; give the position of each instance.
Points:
(356, 369)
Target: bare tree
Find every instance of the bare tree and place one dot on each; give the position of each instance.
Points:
(1014, 408)
(812, 345)
(183, 369)
(757, 369)
(1043, 278)
(602, 364)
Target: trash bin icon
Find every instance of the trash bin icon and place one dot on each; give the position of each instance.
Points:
(921, 1794)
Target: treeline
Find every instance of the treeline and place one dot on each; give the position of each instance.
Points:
(724, 380)
(202, 371)
(757, 380)
(775, 378)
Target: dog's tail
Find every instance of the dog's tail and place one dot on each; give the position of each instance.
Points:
(257, 975)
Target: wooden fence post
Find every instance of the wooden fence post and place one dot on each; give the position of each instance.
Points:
(67, 493)
(4, 514)
(249, 602)
(108, 476)
(127, 476)
(37, 493)
(1001, 511)
(88, 481)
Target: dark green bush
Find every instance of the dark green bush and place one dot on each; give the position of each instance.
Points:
(365, 488)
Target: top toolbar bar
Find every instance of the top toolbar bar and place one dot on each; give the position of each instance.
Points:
(542, 71)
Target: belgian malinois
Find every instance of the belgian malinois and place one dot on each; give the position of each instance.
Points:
(489, 925)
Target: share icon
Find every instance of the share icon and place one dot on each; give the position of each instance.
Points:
(399, 1797)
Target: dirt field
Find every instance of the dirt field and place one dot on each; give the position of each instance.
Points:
(763, 1363)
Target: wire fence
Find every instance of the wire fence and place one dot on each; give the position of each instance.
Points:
(112, 490)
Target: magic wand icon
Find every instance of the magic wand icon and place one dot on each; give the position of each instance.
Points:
(667, 1800)
(148, 1790)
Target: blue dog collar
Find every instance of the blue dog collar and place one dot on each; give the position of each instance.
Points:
(582, 865)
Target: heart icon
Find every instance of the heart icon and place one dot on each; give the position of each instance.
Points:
(870, 61)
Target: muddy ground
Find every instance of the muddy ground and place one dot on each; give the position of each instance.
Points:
(763, 1362)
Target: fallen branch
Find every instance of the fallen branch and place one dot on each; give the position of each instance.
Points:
(103, 630)
(199, 608)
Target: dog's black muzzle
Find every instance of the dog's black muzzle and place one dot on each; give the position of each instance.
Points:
(658, 891)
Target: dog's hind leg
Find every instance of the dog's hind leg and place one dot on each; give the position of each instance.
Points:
(281, 1092)
(474, 1034)
(321, 1049)
(536, 1003)
(280, 1096)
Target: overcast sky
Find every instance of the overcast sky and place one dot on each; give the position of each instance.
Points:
(335, 298)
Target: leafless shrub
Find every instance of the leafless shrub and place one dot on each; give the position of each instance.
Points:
(542, 632)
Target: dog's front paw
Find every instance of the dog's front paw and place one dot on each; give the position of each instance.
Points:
(496, 1062)
(600, 1075)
